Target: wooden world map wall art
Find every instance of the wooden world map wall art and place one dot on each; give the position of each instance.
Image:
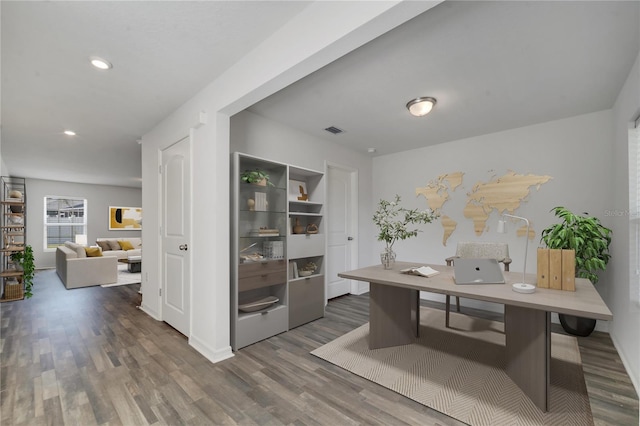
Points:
(503, 194)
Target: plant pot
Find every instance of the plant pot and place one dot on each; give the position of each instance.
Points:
(577, 326)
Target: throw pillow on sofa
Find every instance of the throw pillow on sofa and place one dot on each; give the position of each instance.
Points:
(93, 251)
(113, 244)
(104, 245)
(125, 245)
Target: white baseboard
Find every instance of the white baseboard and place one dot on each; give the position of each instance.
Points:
(153, 314)
(634, 379)
(213, 355)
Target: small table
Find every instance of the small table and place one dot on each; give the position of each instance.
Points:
(133, 265)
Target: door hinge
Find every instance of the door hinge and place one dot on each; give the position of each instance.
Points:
(160, 169)
(159, 292)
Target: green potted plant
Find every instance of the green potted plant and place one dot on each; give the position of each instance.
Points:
(393, 224)
(257, 177)
(590, 240)
(24, 261)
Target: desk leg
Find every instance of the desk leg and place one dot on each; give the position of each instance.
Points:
(394, 316)
(528, 351)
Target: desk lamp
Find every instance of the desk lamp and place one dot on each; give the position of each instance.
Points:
(522, 287)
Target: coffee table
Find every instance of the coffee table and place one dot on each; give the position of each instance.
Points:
(133, 265)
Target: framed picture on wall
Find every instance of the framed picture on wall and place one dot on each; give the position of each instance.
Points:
(125, 218)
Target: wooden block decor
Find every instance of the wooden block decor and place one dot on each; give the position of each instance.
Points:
(543, 268)
(569, 270)
(555, 269)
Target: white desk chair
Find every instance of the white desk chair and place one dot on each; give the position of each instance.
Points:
(479, 250)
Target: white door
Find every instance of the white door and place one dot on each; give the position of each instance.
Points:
(342, 245)
(176, 225)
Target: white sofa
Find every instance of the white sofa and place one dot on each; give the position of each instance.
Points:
(111, 247)
(76, 269)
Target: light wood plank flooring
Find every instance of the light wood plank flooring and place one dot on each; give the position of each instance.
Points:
(89, 356)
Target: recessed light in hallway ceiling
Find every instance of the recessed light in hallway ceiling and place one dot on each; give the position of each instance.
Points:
(101, 64)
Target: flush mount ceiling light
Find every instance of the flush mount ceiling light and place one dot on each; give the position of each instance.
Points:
(101, 64)
(69, 133)
(421, 106)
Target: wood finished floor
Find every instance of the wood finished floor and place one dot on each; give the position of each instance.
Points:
(89, 356)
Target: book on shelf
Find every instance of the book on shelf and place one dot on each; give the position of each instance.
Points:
(264, 232)
(423, 271)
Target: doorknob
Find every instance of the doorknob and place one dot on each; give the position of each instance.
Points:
(183, 247)
(350, 238)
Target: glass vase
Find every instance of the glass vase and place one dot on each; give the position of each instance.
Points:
(388, 258)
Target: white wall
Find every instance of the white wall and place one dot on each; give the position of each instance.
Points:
(576, 152)
(626, 312)
(99, 198)
(300, 47)
(259, 136)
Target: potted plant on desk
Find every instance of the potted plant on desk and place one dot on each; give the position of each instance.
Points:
(393, 221)
(590, 240)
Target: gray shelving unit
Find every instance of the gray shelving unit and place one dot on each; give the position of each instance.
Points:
(266, 296)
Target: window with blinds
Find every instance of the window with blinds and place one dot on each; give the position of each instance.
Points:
(64, 218)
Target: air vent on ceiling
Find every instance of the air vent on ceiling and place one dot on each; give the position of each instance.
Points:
(334, 130)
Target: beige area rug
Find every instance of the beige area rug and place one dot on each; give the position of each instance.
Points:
(125, 277)
(460, 372)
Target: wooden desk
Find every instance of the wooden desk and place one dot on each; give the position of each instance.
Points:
(394, 315)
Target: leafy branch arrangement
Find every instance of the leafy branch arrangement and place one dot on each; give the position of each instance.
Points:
(393, 221)
(584, 234)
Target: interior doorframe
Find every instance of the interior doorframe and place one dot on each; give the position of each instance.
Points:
(355, 247)
(190, 136)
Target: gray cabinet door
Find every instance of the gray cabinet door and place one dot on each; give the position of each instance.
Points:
(306, 300)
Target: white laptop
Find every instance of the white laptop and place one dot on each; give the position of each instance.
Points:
(477, 271)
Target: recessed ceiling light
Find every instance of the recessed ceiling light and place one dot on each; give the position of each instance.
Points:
(69, 133)
(101, 64)
(371, 150)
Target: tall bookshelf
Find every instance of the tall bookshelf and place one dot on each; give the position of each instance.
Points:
(269, 294)
(13, 225)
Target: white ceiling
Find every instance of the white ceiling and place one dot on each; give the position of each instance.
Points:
(163, 53)
(491, 65)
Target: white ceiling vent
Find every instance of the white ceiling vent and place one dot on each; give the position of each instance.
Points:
(334, 130)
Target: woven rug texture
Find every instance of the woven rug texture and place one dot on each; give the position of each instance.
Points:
(461, 372)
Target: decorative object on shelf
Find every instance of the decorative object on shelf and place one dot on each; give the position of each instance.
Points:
(265, 232)
(24, 261)
(297, 228)
(256, 177)
(312, 228)
(15, 194)
(307, 270)
(251, 204)
(590, 240)
(298, 190)
(258, 305)
(392, 221)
